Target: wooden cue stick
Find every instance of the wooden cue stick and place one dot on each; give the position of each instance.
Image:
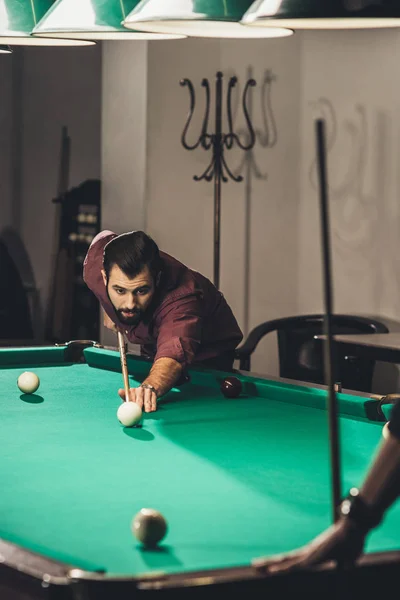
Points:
(328, 342)
(122, 354)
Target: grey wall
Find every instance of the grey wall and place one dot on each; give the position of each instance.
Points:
(124, 135)
(60, 87)
(7, 147)
(44, 89)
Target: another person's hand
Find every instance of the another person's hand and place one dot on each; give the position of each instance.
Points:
(342, 543)
(109, 323)
(145, 398)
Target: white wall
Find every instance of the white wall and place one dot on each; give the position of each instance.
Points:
(124, 132)
(179, 211)
(357, 74)
(259, 216)
(352, 79)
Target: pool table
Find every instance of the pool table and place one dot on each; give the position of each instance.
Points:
(236, 479)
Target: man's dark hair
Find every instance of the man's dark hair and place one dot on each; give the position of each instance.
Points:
(132, 252)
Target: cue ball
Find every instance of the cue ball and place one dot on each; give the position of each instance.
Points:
(149, 527)
(385, 430)
(28, 382)
(231, 387)
(129, 414)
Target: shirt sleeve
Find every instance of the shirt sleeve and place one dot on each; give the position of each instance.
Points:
(179, 331)
(93, 262)
(106, 233)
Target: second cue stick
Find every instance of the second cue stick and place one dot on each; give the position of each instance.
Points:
(122, 354)
(328, 342)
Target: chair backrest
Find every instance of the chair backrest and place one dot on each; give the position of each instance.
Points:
(301, 356)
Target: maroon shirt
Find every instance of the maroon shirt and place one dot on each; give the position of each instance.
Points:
(189, 319)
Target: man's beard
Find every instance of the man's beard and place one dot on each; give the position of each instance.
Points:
(131, 319)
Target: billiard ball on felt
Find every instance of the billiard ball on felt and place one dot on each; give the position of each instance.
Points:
(28, 382)
(231, 387)
(129, 414)
(385, 430)
(149, 527)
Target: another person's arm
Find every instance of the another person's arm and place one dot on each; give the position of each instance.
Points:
(345, 540)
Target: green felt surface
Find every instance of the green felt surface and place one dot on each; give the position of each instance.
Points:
(235, 479)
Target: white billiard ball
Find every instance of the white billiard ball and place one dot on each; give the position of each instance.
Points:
(28, 382)
(129, 414)
(149, 527)
(386, 431)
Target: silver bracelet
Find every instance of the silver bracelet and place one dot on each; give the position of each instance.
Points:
(147, 386)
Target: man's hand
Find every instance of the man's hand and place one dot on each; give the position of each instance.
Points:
(145, 398)
(109, 323)
(342, 543)
(163, 375)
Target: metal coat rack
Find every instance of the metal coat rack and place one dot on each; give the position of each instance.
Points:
(218, 170)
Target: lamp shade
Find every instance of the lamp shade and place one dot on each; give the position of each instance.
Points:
(19, 17)
(5, 49)
(324, 14)
(197, 18)
(92, 20)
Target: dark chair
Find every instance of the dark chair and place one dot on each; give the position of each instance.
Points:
(15, 316)
(301, 355)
